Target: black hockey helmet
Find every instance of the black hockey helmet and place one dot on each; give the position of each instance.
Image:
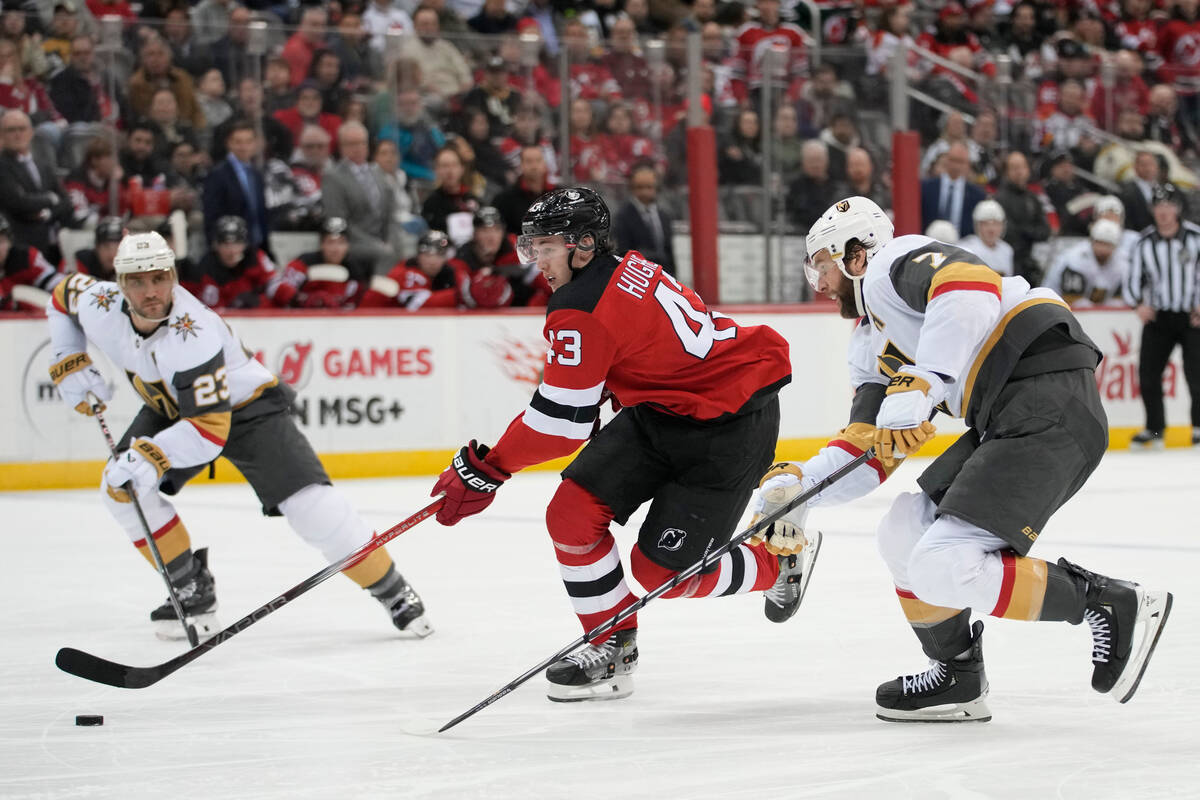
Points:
(573, 213)
(487, 217)
(1166, 193)
(433, 241)
(231, 229)
(110, 229)
(334, 226)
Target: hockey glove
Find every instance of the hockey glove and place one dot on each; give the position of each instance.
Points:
(142, 465)
(469, 484)
(779, 486)
(76, 377)
(902, 425)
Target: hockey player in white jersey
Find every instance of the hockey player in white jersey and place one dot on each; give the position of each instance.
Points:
(1092, 273)
(941, 330)
(987, 241)
(204, 396)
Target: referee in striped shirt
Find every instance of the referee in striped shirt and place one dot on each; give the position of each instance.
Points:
(1164, 286)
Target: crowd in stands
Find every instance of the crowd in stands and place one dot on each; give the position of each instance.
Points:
(409, 137)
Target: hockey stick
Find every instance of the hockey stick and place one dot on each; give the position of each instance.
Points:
(190, 630)
(93, 668)
(645, 599)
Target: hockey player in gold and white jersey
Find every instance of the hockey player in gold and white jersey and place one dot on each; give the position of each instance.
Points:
(940, 330)
(204, 396)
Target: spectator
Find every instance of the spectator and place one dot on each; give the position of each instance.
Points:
(951, 196)
(492, 164)
(641, 223)
(814, 191)
(950, 33)
(326, 74)
(309, 166)
(1129, 91)
(140, 162)
(1164, 123)
(405, 223)
(895, 28)
(984, 147)
(618, 143)
(587, 164)
(821, 97)
(164, 114)
(13, 27)
(861, 179)
(189, 54)
(495, 276)
(787, 143)
(185, 177)
(1138, 30)
(450, 198)
(1137, 192)
(1073, 63)
(278, 93)
(1063, 128)
(97, 260)
(360, 64)
(1092, 272)
(277, 139)
(495, 97)
(1026, 217)
(839, 136)
(64, 27)
(77, 91)
(752, 41)
(211, 96)
(476, 184)
(384, 17)
(531, 183)
(355, 192)
(308, 111)
(157, 72)
(235, 273)
(211, 18)
(1177, 46)
(231, 52)
(95, 183)
(588, 75)
(639, 12)
(493, 18)
(33, 199)
(417, 136)
(120, 8)
(327, 277)
(739, 162)
(627, 66)
(28, 95)
(430, 279)
(22, 265)
(954, 129)
(235, 187)
(444, 71)
(1064, 189)
(302, 45)
(987, 241)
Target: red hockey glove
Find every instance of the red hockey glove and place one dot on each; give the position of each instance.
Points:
(469, 484)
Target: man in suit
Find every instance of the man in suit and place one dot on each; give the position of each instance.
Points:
(234, 187)
(641, 224)
(1137, 192)
(951, 196)
(33, 198)
(356, 193)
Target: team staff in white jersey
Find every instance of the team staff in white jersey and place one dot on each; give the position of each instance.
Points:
(1092, 273)
(941, 330)
(204, 396)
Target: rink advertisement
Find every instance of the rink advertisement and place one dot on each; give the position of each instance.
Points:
(395, 394)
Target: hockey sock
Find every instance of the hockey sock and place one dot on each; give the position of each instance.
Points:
(944, 633)
(588, 557)
(324, 518)
(175, 547)
(168, 531)
(743, 569)
(1024, 589)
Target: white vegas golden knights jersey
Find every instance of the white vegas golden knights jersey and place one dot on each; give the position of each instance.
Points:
(192, 368)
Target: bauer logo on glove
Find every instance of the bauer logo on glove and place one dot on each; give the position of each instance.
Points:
(902, 425)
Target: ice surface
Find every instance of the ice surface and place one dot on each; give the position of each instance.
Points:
(321, 699)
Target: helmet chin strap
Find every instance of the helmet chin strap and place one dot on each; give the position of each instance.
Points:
(859, 306)
(581, 247)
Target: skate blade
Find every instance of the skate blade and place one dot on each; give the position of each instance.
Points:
(1153, 610)
(974, 711)
(611, 689)
(169, 630)
(809, 554)
(419, 627)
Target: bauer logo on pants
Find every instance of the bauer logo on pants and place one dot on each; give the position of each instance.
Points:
(671, 539)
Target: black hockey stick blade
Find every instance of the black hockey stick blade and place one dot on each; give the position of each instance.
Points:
(625, 613)
(100, 670)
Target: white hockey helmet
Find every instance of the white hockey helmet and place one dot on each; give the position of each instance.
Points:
(943, 230)
(1105, 230)
(143, 252)
(988, 211)
(1110, 204)
(854, 219)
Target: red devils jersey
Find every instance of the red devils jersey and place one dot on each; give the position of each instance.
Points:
(1179, 44)
(415, 289)
(623, 327)
(251, 283)
(753, 41)
(25, 266)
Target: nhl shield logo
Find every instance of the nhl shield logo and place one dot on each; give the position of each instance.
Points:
(671, 539)
(843, 206)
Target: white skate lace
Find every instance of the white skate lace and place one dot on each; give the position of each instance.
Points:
(592, 655)
(782, 592)
(1101, 635)
(924, 681)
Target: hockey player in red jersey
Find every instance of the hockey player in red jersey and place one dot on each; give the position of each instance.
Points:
(328, 277)
(939, 329)
(700, 413)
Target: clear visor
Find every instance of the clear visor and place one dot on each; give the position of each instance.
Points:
(813, 271)
(532, 248)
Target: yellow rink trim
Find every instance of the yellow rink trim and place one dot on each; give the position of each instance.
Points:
(24, 476)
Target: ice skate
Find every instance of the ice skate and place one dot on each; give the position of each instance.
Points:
(597, 672)
(1117, 611)
(403, 604)
(783, 599)
(197, 597)
(949, 691)
(1147, 440)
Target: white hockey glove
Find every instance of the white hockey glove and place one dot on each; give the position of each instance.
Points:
(779, 486)
(75, 377)
(143, 465)
(902, 425)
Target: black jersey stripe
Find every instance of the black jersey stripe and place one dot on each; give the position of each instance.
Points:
(564, 412)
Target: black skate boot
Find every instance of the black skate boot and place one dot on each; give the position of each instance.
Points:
(782, 600)
(197, 593)
(597, 672)
(949, 691)
(402, 603)
(1147, 440)
(1115, 610)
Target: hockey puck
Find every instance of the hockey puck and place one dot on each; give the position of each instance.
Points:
(89, 719)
